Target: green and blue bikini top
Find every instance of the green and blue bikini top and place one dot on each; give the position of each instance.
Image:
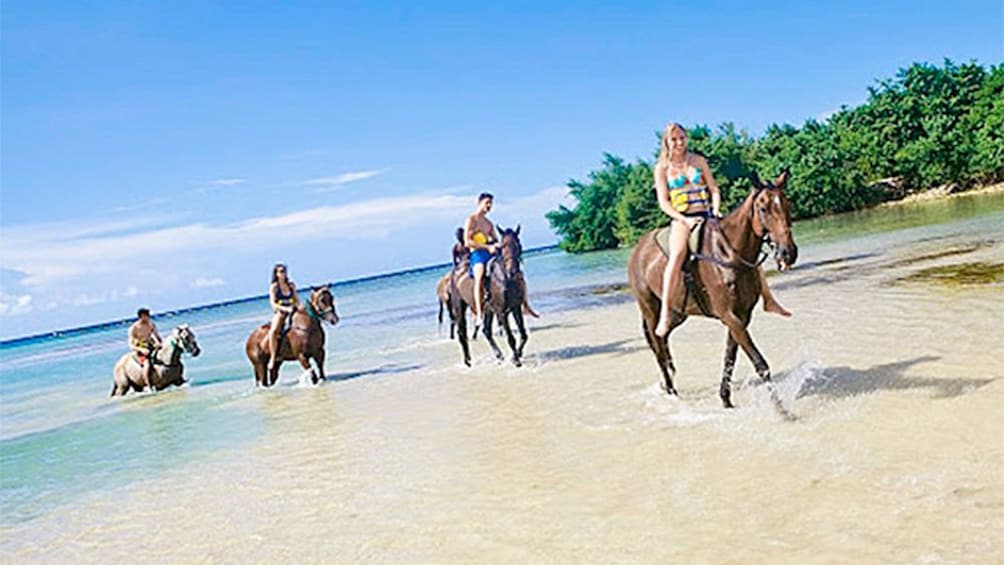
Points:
(681, 180)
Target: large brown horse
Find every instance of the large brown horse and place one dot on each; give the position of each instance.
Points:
(443, 293)
(503, 297)
(302, 342)
(167, 369)
(725, 277)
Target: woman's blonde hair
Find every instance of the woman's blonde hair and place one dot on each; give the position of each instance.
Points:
(663, 159)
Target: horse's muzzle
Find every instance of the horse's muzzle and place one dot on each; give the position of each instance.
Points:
(786, 257)
(196, 350)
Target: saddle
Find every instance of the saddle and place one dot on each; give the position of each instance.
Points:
(693, 243)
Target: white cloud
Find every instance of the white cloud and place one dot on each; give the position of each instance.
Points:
(331, 183)
(12, 305)
(203, 282)
(66, 262)
(226, 182)
(47, 255)
(152, 203)
(87, 299)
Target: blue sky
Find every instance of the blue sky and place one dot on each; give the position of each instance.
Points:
(166, 154)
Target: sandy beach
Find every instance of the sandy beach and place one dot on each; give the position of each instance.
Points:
(894, 455)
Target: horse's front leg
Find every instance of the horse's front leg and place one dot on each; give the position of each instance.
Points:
(273, 371)
(462, 332)
(725, 389)
(305, 365)
(319, 361)
(487, 330)
(517, 315)
(511, 339)
(738, 332)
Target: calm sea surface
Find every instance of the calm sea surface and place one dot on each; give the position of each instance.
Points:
(63, 441)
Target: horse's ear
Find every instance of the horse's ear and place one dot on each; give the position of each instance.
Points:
(782, 178)
(517, 229)
(500, 229)
(755, 179)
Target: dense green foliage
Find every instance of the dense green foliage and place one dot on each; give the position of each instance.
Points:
(929, 126)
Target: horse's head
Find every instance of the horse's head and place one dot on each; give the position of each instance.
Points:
(184, 337)
(772, 218)
(322, 301)
(510, 249)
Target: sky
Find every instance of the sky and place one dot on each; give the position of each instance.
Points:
(166, 154)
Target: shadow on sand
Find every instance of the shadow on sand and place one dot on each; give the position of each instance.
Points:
(575, 352)
(387, 369)
(846, 382)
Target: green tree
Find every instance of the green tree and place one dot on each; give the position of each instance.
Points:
(926, 126)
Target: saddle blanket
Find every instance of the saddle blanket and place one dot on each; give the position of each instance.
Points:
(693, 243)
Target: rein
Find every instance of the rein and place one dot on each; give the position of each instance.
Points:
(764, 238)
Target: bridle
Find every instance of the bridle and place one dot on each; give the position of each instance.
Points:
(510, 265)
(764, 236)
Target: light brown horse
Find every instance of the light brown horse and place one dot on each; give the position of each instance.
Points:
(302, 342)
(725, 277)
(503, 297)
(443, 293)
(167, 369)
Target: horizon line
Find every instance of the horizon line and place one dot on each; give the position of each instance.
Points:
(229, 302)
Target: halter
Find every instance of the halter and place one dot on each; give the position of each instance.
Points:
(316, 314)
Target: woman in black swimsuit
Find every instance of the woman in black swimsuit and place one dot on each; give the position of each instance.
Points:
(283, 299)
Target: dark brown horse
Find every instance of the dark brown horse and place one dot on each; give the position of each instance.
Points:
(725, 277)
(503, 297)
(302, 342)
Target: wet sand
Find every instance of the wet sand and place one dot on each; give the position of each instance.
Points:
(895, 453)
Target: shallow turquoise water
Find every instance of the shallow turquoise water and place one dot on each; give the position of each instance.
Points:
(61, 437)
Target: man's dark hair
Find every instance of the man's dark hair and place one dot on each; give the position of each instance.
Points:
(142, 311)
(484, 195)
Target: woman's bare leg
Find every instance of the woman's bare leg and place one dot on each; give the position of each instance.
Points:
(678, 235)
(273, 338)
(770, 304)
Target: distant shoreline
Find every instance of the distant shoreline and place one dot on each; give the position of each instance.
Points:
(943, 193)
(212, 305)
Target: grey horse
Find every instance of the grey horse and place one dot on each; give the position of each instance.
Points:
(167, 367)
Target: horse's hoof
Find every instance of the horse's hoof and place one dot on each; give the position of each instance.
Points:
(727, 403)
(517, 362)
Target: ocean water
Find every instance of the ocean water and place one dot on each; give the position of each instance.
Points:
(63, 442)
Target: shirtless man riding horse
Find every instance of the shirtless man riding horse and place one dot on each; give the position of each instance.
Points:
(144, 341)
